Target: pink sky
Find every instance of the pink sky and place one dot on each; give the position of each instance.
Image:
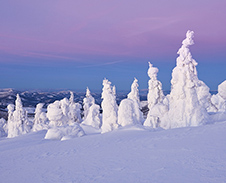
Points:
(107, 38)
(125, 28)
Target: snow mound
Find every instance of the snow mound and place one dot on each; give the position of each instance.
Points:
(65, 132)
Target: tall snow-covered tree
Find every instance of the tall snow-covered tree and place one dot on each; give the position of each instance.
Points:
(18, 122)
(185, 108)
(155, 99)
(88, 101)
(129, 109)
(40, 119)
(109, 107)
(134, 93)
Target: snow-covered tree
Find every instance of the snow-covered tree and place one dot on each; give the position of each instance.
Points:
(40, 119)
(110, 108)
(155, 97)
(185, 108)
(114, 91)
(71, 99)
(74, 112)
(3, 127)
(88, 101)
(55, 114)
(18, 122)
(219, 100)
(129, 109)
(93, 117)
(134, 93)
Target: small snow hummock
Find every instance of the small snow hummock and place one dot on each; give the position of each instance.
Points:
(156, 107)
(109, 107)
(185, 109)
(129, 109)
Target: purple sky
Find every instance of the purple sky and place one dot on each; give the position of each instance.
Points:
(73, 44)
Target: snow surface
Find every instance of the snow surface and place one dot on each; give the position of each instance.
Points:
(132, 154)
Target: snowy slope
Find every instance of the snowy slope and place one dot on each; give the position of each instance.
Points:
(131, 154)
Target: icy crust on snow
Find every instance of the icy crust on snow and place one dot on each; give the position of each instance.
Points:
(185, 109)
(110, 108)
(65, 132)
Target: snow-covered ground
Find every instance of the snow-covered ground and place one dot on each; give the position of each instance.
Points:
(129, 154)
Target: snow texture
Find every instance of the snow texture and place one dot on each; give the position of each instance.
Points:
(109, 107)
(155, 97)
(126, 155)
(185, 108)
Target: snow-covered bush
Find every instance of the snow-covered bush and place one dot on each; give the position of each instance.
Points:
(65, 132)
(88, 101)
(18, 122)
(129, 109)
(185, 108)
(219, 100)
(156, 106)
(40, 119)
(110, 108)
